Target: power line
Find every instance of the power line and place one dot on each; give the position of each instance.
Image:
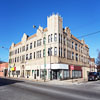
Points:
(88, 34)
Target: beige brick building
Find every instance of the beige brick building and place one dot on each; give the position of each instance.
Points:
(54, 49)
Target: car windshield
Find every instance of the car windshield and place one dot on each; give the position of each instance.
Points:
(92, 73)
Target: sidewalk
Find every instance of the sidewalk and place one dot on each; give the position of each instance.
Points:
(52, 82)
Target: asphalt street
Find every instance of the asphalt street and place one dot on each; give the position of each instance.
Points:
(11, 89)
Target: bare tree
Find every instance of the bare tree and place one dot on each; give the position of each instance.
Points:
(98, 59)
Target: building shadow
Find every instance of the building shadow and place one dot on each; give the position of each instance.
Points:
(6, 81)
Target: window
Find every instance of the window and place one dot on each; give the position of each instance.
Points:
(30, 55)
(59, 37)
(76, 57)
(15, 59)
(72, 45)
(40, 54)
(50, 51)
(81, 49)
(34, 44)
(18, 50)
(55, 51)
(26, 56)
(38, 42)
(64, 53)
(55, 37)
(26, 47)
(72, 55)
(20, 58)
(64, 40)
(23, 48)
(44, 40)
(48, 38)
(34, 55)
(68, 54)
(23, 58)
(30, 45)
(76, 47)
(59, 51)
(37, 72)
(43, 52)
(51, 37)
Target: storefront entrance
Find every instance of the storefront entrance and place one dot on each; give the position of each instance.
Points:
(54, 74)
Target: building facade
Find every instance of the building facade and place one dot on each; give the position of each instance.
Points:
(93, 67)
(3, 69)
(50, 53)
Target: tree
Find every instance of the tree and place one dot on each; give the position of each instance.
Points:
(98, 59)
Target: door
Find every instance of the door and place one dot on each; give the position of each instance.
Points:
(54, 74)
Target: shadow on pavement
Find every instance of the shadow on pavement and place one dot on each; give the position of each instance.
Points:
(6, 81)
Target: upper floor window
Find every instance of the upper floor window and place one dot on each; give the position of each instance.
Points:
(59, 51)
(34, 55)
(39, 54)
(81, 49)
(72, 55)
(55, 37)
(15, 59)
(30, 45)
(64, 53)
(23, 48)
(43, 52)
(72, 45)
(64, 40)
(30, 55)
(26, 56)
(34, 44)
(26, 47)
(51, 37)
(48, 38)
(38, 42)
(44, 40)
(76, 47)
(50, 51)
(59, 37)
(76, 57)
(55, 51)
(18, 50)
(68, 54)
(20, 58)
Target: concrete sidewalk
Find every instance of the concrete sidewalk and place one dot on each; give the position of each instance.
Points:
(52, 82)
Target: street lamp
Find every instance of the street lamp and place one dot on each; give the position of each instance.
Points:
(44, 51)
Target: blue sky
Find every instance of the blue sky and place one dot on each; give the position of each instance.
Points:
(19, 16)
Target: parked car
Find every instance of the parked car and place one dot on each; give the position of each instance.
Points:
(92, 76)
(98, 75)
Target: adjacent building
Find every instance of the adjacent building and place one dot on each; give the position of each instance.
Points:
(50, 53)
(3, 69)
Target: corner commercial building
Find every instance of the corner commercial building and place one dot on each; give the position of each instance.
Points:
(54, 49)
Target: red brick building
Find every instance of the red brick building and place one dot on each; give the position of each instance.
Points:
(3, 69)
